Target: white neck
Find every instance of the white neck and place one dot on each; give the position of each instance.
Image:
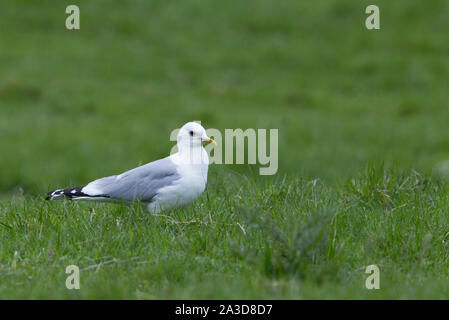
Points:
(195, 155)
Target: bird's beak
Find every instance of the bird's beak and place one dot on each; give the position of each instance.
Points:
(209, 140)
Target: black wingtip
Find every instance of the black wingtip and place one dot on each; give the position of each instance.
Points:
(71, 193)
(49, 194)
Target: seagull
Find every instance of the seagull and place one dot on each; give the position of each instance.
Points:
(169, 183)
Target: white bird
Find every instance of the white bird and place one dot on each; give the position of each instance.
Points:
(168, 183)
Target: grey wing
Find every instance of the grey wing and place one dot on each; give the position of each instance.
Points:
(141, 183)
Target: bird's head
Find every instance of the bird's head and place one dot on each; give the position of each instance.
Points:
(192, 134)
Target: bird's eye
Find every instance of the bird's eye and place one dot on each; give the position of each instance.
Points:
(191, 133)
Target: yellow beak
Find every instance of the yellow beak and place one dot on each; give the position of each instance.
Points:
(209, 141)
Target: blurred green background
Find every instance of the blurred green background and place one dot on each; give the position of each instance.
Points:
(79, 105)
(76, 105)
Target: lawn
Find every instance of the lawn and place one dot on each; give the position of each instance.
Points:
(363, 148)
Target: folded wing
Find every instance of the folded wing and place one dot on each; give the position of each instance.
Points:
(141, 183)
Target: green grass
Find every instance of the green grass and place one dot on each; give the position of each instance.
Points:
(246, 238)
(78, 105)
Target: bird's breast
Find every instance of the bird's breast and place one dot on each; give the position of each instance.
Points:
(186, 189)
